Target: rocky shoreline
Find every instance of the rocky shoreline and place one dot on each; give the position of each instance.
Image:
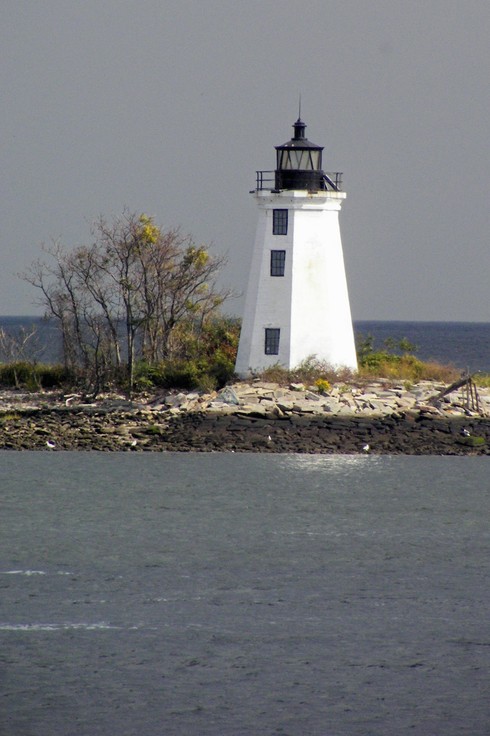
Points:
(379, 418)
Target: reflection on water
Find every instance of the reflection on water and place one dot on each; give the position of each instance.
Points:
(341, 464)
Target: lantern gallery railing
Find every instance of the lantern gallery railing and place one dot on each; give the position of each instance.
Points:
(331, 181)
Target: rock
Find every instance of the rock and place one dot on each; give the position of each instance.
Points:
(388, 420)
(427, 409)
(175, 400)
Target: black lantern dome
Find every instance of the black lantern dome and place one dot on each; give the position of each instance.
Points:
(299, 162)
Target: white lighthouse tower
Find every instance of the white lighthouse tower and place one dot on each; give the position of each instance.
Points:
(297, 303)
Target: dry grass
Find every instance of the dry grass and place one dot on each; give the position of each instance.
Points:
(308, 372)
(408, 368)
(482, 380)
(381, 366)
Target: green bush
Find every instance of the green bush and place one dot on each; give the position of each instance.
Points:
(32, 377)
(184, 374)
(205, 374)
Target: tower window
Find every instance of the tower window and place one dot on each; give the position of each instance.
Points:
(272, 340)
(279, 222)
(278, 261)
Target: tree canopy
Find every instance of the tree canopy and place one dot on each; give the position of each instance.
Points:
(127, 295)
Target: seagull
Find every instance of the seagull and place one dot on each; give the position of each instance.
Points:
(465, 432)
(366, 448)
(134, 443)
(50, 445)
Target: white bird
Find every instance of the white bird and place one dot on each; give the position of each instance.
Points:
(134, 443)
(366, 448)
(50, 444)
(465, 432)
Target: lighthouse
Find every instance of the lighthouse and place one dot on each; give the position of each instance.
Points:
(297, 302)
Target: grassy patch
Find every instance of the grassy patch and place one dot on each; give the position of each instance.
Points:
(9, 416)
(406, 368)
(154, 430)
(482, 380)
(471, 441)
(32, 376)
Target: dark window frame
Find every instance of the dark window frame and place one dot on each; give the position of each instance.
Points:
(272, 338)
(280, 222)
(278, 262)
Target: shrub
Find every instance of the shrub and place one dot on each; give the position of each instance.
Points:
(323, 385)
(308, 372)
(33, 377)
(203, 374)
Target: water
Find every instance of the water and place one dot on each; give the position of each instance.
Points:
(231, 594)
(466, 345)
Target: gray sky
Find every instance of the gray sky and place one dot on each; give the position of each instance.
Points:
(169, 106)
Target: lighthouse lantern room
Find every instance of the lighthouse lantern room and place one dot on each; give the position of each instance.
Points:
(297, 303)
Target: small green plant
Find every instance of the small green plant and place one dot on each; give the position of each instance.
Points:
(143, 383)
(8, 416)
(472, 441)
(154, 430)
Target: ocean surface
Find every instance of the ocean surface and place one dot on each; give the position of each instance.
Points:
(228, 594)
(466, 345)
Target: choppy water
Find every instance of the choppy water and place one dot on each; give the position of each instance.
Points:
(232, 594)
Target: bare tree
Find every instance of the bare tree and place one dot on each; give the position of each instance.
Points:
(125, 294)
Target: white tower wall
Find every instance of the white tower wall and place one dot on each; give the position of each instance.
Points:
(310, 303)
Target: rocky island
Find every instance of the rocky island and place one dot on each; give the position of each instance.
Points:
(379, 417)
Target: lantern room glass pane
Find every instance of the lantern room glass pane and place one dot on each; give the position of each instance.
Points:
(297, 159)
(315, 160)
(304, 160)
